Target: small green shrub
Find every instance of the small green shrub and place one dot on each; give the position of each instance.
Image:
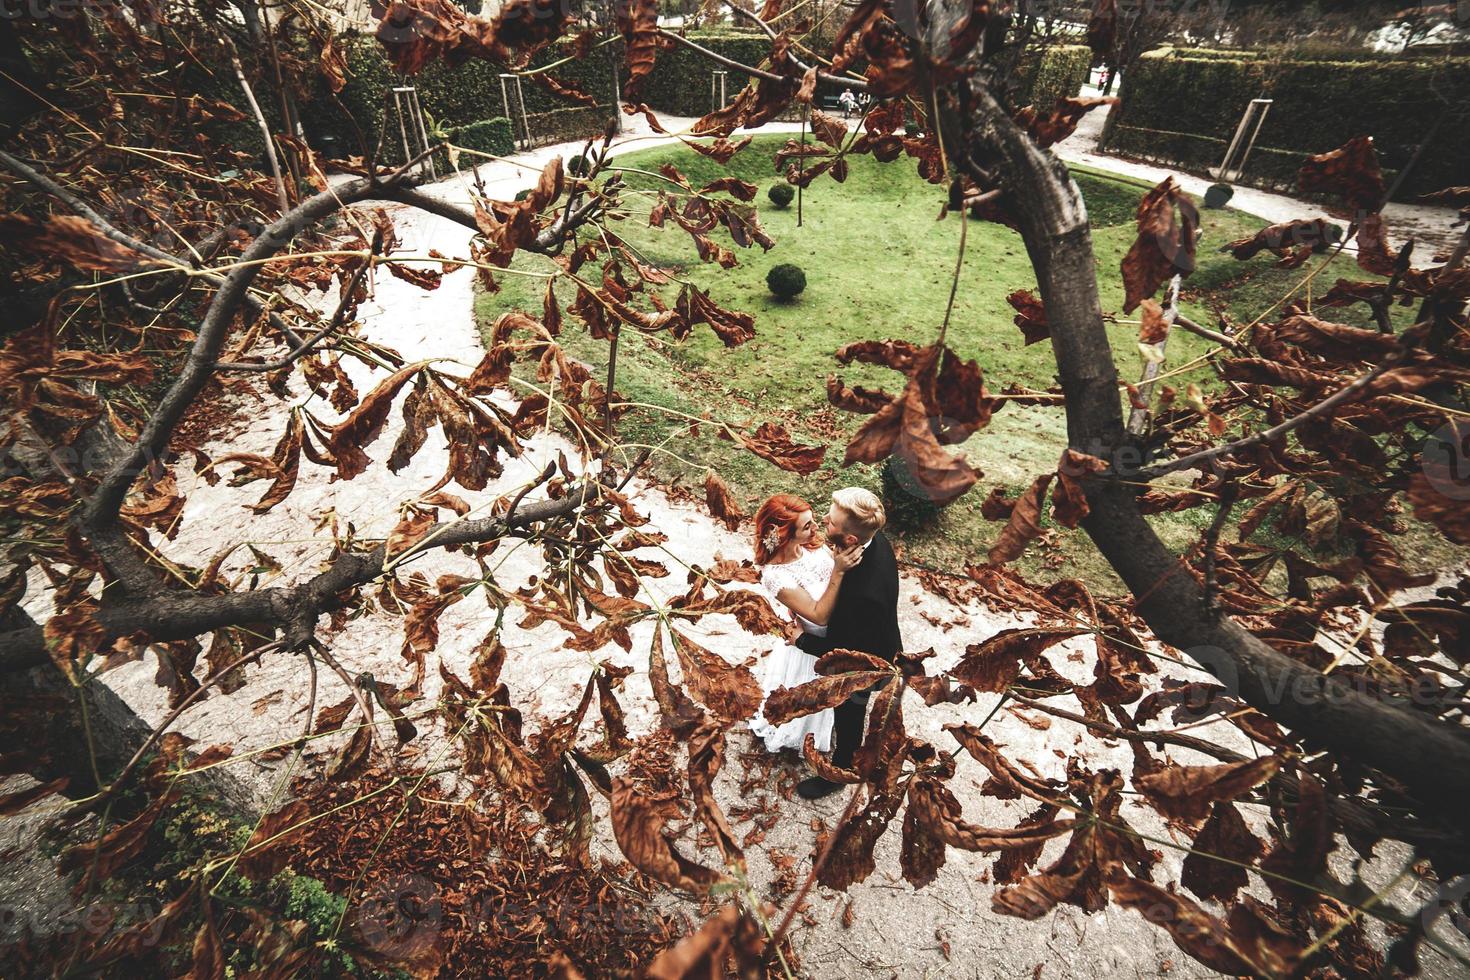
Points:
(781, 194)
(909, 507)
(521, 195)
(577, 166)
(1218, 195)
(785, 280)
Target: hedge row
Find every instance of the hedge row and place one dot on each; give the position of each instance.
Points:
(1056, 72)
(451, 97)
(680, 85)
(456, 98)
(1182, 110)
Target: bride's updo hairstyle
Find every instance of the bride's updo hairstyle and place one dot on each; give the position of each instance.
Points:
(775, 523)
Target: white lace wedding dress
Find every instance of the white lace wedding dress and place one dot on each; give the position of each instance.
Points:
(787, 666)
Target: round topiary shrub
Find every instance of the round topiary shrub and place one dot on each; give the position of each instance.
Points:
(909, 507)
(785, 281)
(780, 194)
(577, 166)
(522, 195)
(911, 129)
(1218, 195)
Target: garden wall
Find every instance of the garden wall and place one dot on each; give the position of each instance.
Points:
(1181, 109)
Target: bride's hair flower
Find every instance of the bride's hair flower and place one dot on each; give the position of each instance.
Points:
(772, 521)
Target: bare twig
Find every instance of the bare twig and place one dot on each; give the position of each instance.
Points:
(1228, 493)
(1213, 336)
(265, 131)
(309, 343)
(353, 687)
(1138, 417)
(541, 478)
(1159, 739)
(1338, 397)
(857, 85)
(817, 865)
(721, 59)
(612, 373)
(633, 470)
(112, 788)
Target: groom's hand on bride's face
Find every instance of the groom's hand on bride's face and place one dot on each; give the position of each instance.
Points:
(847, 557)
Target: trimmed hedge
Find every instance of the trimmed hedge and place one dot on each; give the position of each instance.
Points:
(1181, 109)
(487, 136)
(568, 125)
(454, 98)
(786, 281)
(908, 505)
(458, 96)
(1056, 72)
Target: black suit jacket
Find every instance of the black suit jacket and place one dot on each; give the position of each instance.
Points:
(865, 616)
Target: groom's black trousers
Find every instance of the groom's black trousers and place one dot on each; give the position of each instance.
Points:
(847, 731)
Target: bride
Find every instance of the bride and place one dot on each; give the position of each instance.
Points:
(805, 577)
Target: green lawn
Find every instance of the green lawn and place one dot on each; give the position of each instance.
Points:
(879, 265)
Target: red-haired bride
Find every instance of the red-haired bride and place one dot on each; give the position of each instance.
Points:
(804, 576)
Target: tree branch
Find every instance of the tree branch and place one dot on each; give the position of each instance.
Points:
(1138, 417)
(1350, 814)
(265, 130)
(306, 346)
(51, 187)
(857, 85)
(1213, 336)
(1346, 393)
(547, 240)
(179, 615)
(101, 510)
(721, 59)
(1224, 505)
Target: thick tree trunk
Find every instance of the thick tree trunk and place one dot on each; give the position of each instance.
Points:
(117, 732)
(1430, 757)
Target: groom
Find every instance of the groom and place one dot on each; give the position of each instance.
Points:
(865, 617)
